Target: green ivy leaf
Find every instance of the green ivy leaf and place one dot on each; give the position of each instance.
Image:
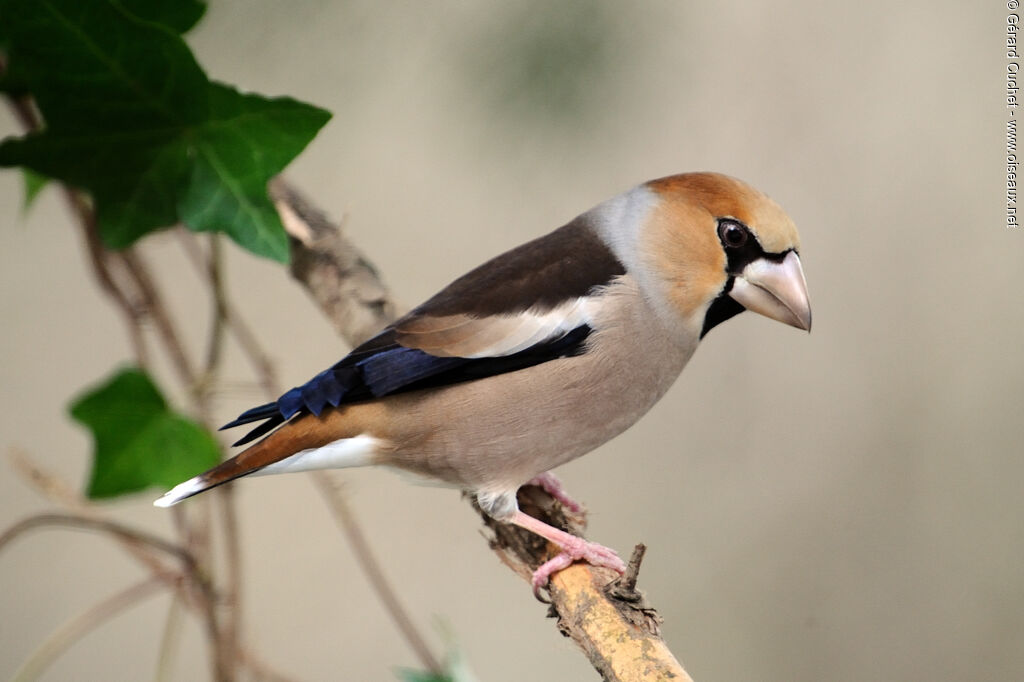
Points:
(91, 66)
(177, 15)
(139, 441)
(244, 131)
(131, 117)
(34, 184)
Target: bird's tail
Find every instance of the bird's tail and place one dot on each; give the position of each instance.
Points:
(299, 445)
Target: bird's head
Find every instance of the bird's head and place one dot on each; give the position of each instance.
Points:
(715, 247)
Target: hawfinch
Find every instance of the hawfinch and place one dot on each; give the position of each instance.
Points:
(541, 354)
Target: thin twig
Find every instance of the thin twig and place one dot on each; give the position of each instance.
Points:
(341, 281)
(380, 310)
(372, 570)
(139, 271)
(169, 641)
(211, 270)
(243, 334)
(59, 492)
(197, 535)
(112, 528)
(215, 348)
(133, 312)
(625, 586)
(232, 590)
(347, 288)
(207, 600)
(26, 113)
(150, 302)
(63, 637)
(196, 591)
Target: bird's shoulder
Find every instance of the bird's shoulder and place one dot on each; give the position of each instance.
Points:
(529, 295)
(541, 274)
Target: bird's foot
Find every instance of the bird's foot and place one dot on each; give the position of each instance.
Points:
(550, 484)
(575, 550)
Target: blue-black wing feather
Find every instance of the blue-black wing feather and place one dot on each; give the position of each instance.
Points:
(382, 367)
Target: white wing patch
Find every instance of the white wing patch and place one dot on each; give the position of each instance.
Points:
(530, 328)
(498, 335)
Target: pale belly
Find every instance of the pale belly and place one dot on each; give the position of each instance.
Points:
(497, 433)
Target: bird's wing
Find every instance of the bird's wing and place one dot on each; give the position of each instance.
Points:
(522, 308)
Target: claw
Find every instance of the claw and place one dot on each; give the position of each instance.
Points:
(591, 552)
(573, 549)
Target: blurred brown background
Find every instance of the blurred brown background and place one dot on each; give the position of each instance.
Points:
(840, 506)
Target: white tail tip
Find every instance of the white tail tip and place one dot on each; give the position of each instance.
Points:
(180, 492)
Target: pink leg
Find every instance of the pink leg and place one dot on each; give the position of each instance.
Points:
(553, 487)
(573, 548)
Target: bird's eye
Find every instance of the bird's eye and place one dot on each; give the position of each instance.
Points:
(732, 234)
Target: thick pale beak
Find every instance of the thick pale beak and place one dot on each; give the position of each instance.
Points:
(776, 290)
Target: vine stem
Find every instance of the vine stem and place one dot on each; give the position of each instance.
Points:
(136, 294)
(125, 277)
(169, 641)
(63, 637)
(372, 570)
(353, 332)
(207, 598)
(247, 340)
(59, 492)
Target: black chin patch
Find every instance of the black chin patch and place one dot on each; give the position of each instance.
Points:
(720, 310)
